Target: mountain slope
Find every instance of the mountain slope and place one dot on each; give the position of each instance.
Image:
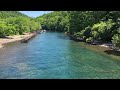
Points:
(6, 14)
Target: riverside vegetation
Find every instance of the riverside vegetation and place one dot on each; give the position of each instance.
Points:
(16, 23)
(53, 55)
(89, 26)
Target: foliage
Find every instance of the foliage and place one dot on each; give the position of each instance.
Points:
(16, 23)
(89, 40)
(103, 30)
(97, 25)
(55, 21)
(116, 39)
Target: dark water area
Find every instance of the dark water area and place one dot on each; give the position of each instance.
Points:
(53, 55)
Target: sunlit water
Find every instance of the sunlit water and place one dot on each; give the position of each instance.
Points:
(54, 56)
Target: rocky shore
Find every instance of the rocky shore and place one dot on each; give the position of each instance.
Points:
(14, 38)
(108, 45)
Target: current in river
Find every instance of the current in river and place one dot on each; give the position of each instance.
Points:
(53, 55)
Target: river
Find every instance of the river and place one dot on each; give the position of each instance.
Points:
(53, 55)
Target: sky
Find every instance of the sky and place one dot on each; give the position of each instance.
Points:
(34, 13)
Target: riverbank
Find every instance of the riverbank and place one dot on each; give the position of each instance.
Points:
(107, 45)
(15, 38)
(102, 49)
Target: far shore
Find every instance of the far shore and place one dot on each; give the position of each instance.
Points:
(14, 38)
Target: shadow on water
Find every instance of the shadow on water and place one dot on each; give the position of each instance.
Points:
(63, 36)
(112, 52)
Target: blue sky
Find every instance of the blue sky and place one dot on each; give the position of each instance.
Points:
(34, 13)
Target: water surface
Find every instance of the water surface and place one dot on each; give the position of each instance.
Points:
(54, 56)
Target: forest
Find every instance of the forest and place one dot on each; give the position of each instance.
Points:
(90, 26)
(16, 23)
(102, 26)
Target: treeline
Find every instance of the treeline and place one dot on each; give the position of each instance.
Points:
(6, 14)
(14, 22)
(96, 25)
(90, 26)
(55, 21)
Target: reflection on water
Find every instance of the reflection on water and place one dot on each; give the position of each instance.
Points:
(54, 55)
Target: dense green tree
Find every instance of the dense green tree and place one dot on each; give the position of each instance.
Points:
(116, 39)
(103, 30)
(14, 22)
(89, 25)
(55, 21)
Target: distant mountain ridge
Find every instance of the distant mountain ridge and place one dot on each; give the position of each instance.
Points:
(7, 14)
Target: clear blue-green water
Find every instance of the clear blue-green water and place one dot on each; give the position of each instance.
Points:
(54, 56)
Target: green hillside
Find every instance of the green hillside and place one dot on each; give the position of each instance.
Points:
(14, 22)
(6, 14)
(90, 26)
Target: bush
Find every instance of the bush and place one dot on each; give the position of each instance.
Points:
(17, 25)
(103, 30)
(116, 40)
(78, 34)
(89, 40)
